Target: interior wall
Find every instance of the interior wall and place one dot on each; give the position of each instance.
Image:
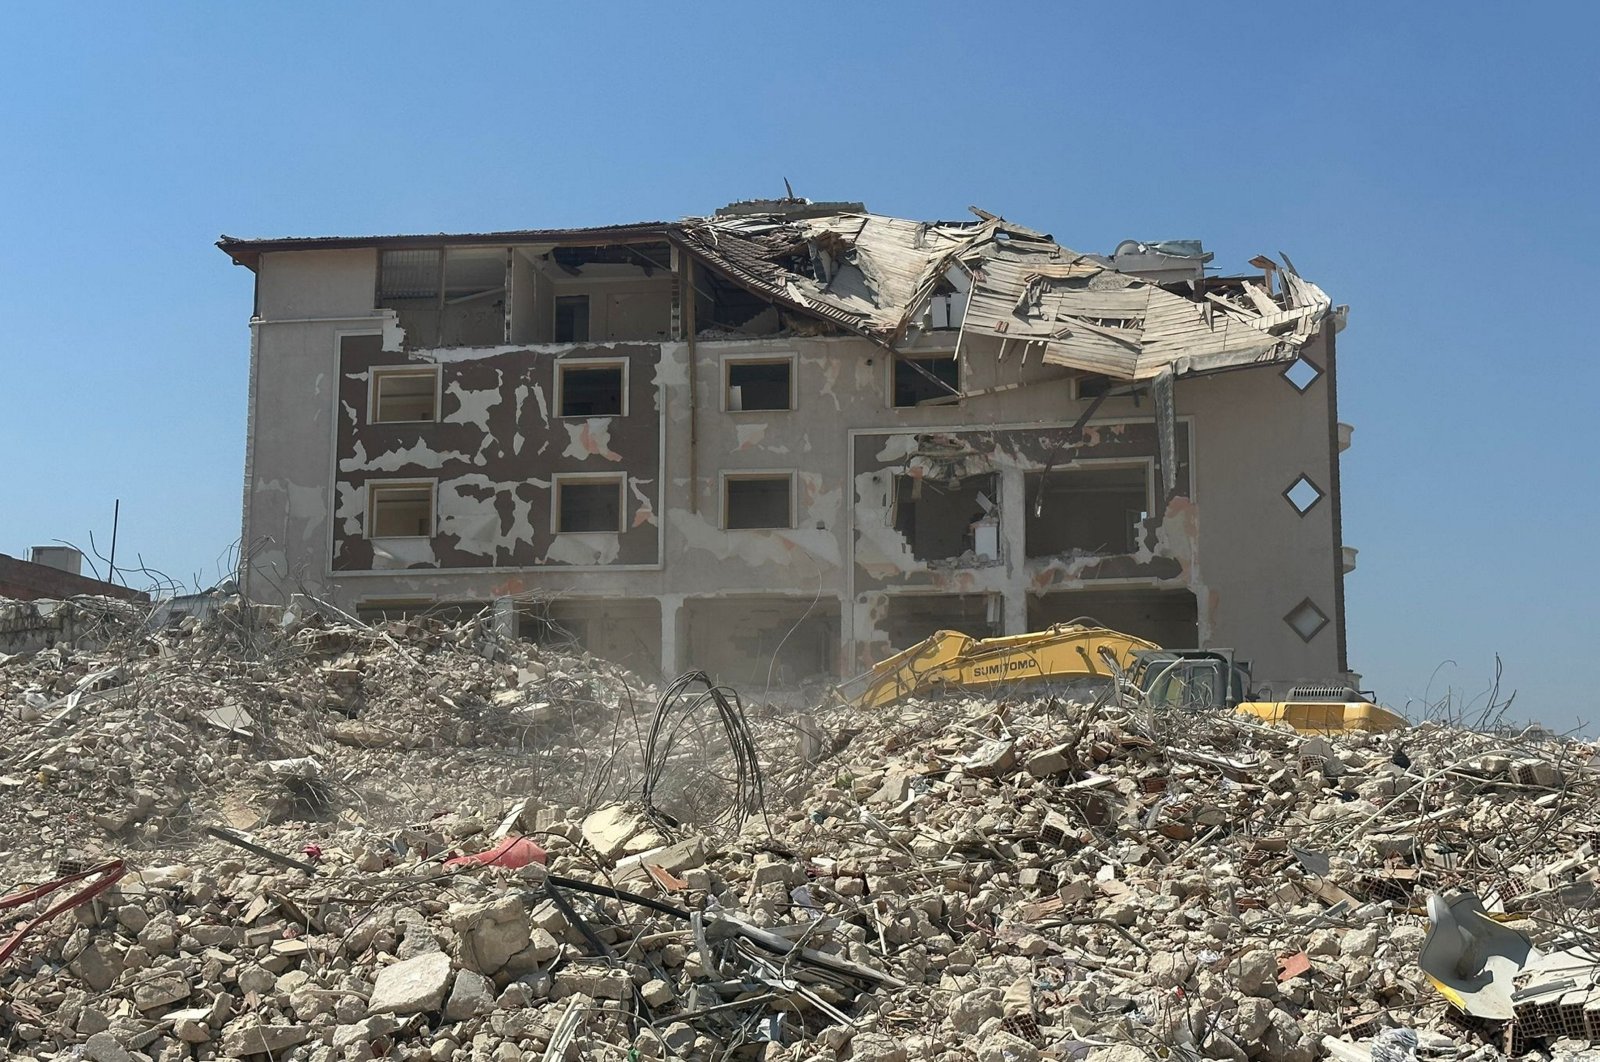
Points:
(1170, 618)
(913, 617)
(619, 310)
(745, 641)
(624, 631)
(937, 518)
(1086, 509)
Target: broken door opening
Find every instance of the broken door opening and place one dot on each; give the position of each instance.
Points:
(1170, 618)
(749, 641)
(1086, 509)
(912, 617)
(572, 319)
(944, 521)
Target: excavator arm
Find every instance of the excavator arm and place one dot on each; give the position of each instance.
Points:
(1085, 650)
(949, 658)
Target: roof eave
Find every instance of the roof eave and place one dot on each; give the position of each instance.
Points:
(248, 252)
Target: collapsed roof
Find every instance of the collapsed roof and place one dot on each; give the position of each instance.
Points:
(874, 275)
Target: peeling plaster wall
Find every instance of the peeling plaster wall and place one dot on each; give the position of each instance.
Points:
(1226, 533)
(884, 562)
(495, 457)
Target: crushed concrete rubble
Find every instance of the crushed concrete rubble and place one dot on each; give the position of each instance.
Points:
(256, 812)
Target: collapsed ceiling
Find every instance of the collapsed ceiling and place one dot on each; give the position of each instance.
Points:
(874, 275)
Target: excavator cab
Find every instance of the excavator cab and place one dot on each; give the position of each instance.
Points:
(1196, 679)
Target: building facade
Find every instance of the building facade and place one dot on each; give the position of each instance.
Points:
(779, 442)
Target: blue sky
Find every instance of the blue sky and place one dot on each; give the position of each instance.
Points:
(1433, 168)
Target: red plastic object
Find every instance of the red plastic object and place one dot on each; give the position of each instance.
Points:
(110, 873)
(511, 853)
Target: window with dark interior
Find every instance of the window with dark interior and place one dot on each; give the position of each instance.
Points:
(918, 379)
(572, 319)
(943, 521)
(750, 502)
(1086, 509)
(589, 504)
(765, 383)
(590, 390)
(1093, 385)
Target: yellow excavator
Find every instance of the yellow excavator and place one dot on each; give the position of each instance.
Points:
(1206, 679)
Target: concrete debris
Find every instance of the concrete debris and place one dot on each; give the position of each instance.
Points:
(962, 879)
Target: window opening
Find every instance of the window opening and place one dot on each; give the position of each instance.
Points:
(1301, 374)
(401, 510)
(1306, 620)
(1303, 495)
(591, 390)
(589, 505)
(572, 319)
(756, 385)
(404, 395)
(918, 379)
(945, 521)
(1093, 385)
(758, 502)
(1098, 511)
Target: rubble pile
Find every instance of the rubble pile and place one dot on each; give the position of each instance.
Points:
(299, 838)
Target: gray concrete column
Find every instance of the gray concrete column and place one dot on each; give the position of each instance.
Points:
(671, 606)
(1014, 544)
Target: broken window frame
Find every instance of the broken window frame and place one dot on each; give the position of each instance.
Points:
(377, 488)
(955, 395)
(752, 475)
(899, 520)
(563, 365)
(1101, 385)
(560, 480)
(375, 381)
(1146, 465)
(731, 360)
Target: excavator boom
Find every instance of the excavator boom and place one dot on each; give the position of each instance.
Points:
(1067, 650)
(1175, 680)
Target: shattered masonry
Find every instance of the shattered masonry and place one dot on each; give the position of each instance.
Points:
(274, 834)
(806, 424)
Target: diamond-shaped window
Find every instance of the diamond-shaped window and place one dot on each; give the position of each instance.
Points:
(1303, 494)
(1306, 620)
(1302, 373)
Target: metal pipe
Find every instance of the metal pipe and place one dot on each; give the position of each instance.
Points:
(116, 517)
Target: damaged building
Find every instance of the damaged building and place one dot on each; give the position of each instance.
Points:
(781, 441)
